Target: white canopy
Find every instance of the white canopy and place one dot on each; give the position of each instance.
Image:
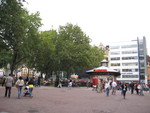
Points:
(102, 68)
(103, 71)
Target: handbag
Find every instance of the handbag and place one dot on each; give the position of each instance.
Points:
(16, 85)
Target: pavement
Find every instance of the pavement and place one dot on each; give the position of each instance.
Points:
(76, 100)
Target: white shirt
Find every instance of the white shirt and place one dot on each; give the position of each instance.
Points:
(114, 84)
(107, 85)
(20, 82)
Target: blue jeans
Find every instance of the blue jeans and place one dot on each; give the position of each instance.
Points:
(107, 91)
(141, 92)
(69, 86)
(19, 91)
(30, 91)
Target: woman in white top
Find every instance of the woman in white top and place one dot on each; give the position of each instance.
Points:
(70, 84)
(20, 83)
(107, 87)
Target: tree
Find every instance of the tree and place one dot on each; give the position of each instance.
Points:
(96, 55)
(46, 58)
(31, 41)
(17, 27)
(74, 51)
(4, 53)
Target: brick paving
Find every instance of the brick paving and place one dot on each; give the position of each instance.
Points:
(76, 100)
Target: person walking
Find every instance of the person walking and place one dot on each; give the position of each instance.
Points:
(3, 80)
(141, 87)
(39, 81)
(136, 88)
(20, 84)
(114, 85)
(124, 89)
(132, 87)
(107, 88)
(31, 84)
(27, 79)
(59, 83)
(8, 85)
(100, 86)
(70, 84)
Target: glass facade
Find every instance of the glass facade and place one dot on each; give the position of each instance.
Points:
(130, 59)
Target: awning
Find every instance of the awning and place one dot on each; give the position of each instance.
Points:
(103, 71)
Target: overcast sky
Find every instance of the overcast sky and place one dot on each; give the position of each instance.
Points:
(104, 21)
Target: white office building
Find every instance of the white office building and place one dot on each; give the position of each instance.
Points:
(130, 59)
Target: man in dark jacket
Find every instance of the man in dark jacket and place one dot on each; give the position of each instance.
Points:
(124, 89)
(132, 87)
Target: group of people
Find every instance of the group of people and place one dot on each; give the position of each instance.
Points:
(113, 86)
(108, 86)
(60, 83)
(139, 88)
(9, 82)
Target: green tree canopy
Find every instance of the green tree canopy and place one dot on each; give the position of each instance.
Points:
(67, 49)
(46, 58)
(74, 51)
(17, 27)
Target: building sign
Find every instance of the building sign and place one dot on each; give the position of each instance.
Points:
(100, 70)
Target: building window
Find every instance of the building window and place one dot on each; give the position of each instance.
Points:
(114, 47)
(129, 52)
(115, 64)
(130, 58)
(115, 53)
(142, 71)
(130, 64)
(129, 46)
(129, 76)
(115, 58)
(141, 52)
(141, 58)
(129, 70)
(126, 70)
(142, 64)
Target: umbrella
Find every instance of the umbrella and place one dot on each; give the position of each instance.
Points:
(74, 76)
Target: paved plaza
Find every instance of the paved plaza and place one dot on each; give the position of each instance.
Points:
(76, 100)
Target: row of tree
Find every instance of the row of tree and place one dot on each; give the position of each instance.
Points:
(67, 49)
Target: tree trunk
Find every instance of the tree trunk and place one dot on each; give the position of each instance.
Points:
(13, 62)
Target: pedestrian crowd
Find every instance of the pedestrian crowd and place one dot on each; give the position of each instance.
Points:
(98, 85)
(111, 87)
(21, 84)
(59, 82)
